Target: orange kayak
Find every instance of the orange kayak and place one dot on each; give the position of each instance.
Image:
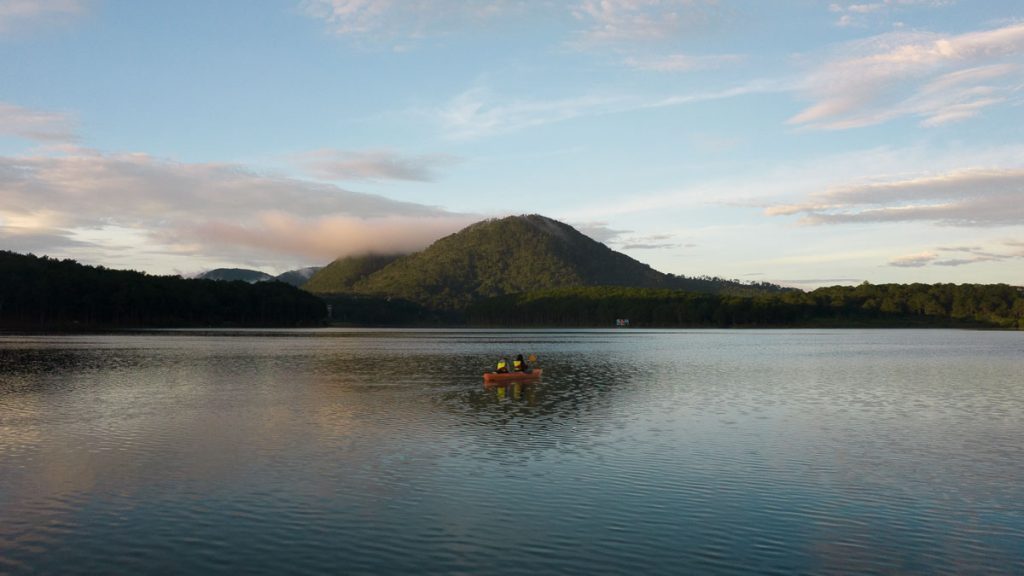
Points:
(510, 376)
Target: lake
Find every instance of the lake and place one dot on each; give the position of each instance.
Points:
(382, 452)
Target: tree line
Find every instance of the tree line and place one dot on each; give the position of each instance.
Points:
(42, 292)
(891, 305)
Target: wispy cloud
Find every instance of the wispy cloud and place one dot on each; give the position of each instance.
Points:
(935, 78)
(629, 21)
(16, 15)
(860, 14)
(480, 112)
(953, 257)
(914, 260)
(329, 164)
(682, 62)
(205, 209)
(401, 20)
(38, 125)
(967, 197)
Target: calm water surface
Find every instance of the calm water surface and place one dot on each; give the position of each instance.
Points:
(378, 452)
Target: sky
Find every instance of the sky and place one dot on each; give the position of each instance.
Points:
(800, 142)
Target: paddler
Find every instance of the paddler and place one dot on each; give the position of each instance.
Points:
(519, 365)
(502, 367)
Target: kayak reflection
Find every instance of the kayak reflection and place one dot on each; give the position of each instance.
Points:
(516, 391)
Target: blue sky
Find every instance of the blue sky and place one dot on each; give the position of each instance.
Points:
(800, 142)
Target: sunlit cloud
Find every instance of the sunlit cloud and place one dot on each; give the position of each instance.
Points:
(953, 257)
(204, 209)
(38, 125)
(935, 78)
(914, 260)
(329, 164)
(967, 197)
(16, 15)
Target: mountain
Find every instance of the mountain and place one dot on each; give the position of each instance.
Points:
(510, 255)
(342, 275)
(298, 277)
(294, 277)
(232, 274)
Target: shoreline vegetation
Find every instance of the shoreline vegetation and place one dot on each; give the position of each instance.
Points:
(45, 294)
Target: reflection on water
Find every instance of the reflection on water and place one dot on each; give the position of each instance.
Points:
(381, 451)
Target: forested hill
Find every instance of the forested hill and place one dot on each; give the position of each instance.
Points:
(507, 256)
(343, 274)
(45, 293)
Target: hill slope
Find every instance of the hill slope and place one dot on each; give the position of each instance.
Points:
(504, 256)
(341, 275)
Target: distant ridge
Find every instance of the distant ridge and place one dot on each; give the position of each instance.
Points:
(495, 257)
(232, 274)
(293, 277)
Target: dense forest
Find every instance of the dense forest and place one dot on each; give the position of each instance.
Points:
(41, 292)
(995, 305)
(44, 293)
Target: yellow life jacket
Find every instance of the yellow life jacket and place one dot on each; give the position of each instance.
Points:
(517, 365)
(502, 365)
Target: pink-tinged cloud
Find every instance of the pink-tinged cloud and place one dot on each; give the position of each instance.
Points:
(969, 197)
(37, 125)
(321, 239)
(630, 21)
(17, 15)
(682, 62)
(223, 211)
(373, 165)
(391, 20)
(935, 78)
(914, 260)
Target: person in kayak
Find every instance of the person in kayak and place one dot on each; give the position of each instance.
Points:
(519, 365)
(502, 367)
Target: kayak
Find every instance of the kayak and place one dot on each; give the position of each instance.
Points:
(533, 374)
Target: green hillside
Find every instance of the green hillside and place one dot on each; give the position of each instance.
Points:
(511, 255)
(340, 276)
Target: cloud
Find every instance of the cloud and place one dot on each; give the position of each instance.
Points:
(479, 112)
(914, 260)
(377, 20)
(651, 242)
(38, 125)
(373, 165)
(935, 78)
(205, 209)
(865, 13)
(15, 15)
(682, 62)
(954, 256)
(322, 237)
(967, 197)
(600, 231)
(631, 21)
